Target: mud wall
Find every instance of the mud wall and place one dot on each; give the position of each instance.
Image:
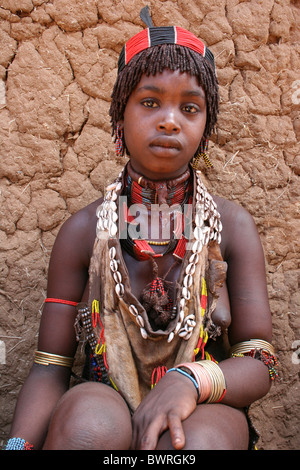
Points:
(57, 67)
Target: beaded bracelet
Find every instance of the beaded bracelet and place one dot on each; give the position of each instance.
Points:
(258, 349)
(182, 372)
(17, 443)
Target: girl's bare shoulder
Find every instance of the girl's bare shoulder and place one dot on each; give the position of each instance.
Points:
(232, 213)
(78, 232)
(239, 226)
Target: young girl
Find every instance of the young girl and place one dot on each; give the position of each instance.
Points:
(177, 348)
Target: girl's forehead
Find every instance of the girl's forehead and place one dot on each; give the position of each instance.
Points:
(162, 81)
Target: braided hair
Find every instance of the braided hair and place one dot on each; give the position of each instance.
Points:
(156, 59)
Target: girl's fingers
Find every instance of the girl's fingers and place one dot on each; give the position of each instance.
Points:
(176, 431)
(150, 437)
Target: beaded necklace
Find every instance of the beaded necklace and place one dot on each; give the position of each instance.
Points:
(158, 298)
(206, 227)
(139, 190)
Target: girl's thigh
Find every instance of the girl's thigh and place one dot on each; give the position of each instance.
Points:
(213, 427)
(90, 416)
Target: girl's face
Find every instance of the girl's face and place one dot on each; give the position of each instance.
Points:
(164, 121)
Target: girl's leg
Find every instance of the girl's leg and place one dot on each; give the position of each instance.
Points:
(213, 427)
(90, 416)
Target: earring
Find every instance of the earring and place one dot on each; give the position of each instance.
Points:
(119, 142)
(201, 154)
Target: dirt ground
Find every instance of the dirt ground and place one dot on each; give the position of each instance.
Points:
(57, 67)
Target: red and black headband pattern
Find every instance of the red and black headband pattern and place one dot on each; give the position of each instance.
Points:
(154, 36)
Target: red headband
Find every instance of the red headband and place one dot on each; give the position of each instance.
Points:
(154, 36)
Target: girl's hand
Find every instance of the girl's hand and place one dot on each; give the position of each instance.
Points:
(170, 402)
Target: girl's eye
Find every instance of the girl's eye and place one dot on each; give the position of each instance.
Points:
(190, 108)
(149, 103)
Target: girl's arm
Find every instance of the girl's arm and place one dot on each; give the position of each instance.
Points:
(247, 379)
(67, 279)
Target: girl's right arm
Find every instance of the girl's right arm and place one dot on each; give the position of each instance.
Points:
(67, 280)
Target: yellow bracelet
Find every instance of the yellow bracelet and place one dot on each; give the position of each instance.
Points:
(44, 358)
(217, 379)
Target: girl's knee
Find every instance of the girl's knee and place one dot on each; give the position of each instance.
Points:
(213, 427)
(90, 416)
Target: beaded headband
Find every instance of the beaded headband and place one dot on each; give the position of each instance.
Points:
(154, 36)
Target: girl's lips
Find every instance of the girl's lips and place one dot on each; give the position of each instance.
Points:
(166, 142)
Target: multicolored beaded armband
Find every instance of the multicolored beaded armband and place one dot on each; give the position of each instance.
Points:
(258, 349)
(16, 443)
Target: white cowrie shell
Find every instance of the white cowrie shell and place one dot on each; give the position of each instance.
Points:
(112, 252)
(118, 186)
(113, 216)
(190, 269)
(188, 281)
(177, 328)
(112, 206)
(216, 224)
(133, 310)
(144, 333)
(188, 328)
(194, 258)
(99, 211)
(198, 233)
(113, 265)
(206, 237)
(170, 337)
(100, 224)
(117, 277)
(186, 293)
(191, 316)
(197, 246)
(111, 186)
(119, 289)
(182, 303)
(198, 220)
(113, 229)
(188, 335)
(182, 333)
(181, 316)
(140, 321)
(191, 323)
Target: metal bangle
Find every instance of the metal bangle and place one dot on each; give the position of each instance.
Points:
(44, 358)
(247, 346)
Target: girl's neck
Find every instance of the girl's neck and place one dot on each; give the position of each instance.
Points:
(141, 190)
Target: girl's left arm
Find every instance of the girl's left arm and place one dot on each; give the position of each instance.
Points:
(247, 379)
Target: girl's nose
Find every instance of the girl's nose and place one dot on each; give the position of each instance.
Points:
(169, 122)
